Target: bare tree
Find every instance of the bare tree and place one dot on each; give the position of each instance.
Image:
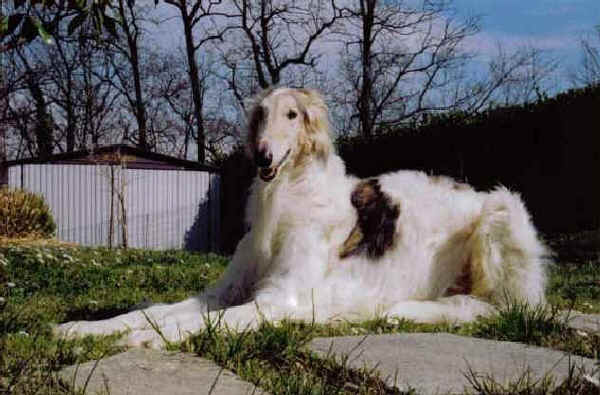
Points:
(42, 119)
(17, 113)
(65, 64)
(203, 22)
(98, 101)
(4, 89)
(589, 71)
(81, 97)
(59, 99)
(275, 42)
(130, 20)
(33, 117)
(172, 107)
(281, 34)
(520, 76)
(397, 55)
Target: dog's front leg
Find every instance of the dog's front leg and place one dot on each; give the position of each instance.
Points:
(247, 316)
(235, 286)
(293, 281)
(155, 316)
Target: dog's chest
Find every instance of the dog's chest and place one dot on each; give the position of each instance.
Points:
(313, 203)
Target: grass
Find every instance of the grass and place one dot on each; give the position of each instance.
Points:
(47, 283)
(576, 281)
(539, 326)
(41, 285)
(577, 278)
(275, 358)
(527, 384)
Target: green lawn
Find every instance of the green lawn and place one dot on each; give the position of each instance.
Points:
(43, 285)
(49, 284)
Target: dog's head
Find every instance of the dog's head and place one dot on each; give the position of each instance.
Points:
(287, 127)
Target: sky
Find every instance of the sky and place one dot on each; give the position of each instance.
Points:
(556, 19)
(553, 25)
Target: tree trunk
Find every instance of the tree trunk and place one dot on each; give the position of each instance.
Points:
(139, 104)
(71, 126)
(43, 122)
(366, 91)
(194, 81)
(140, 110)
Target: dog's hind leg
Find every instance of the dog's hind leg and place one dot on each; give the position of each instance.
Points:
(504, 261)
(507, 257)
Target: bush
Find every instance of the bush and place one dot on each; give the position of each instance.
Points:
(24, 214)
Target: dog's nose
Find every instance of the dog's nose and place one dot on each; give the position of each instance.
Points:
(264, 156)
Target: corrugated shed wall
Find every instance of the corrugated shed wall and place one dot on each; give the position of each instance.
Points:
(163, 208)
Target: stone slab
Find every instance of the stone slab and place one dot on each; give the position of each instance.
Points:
(437, 363)
(585, 322)
(144, 372)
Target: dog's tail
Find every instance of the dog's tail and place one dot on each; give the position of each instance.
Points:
(507, 256)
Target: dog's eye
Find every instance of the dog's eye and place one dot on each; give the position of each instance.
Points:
(292, 114)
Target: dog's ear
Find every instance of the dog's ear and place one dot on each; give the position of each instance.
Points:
(316, 123)
(254, 116)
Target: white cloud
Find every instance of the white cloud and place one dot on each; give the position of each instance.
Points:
(486, 43)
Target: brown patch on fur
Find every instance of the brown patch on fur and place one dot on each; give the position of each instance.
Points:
(352, 244)
(306, 147)
(365, 194)
(314, 140)
(376, 224)
(463, 285)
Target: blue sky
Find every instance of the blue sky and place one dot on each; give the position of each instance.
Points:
(541, 18)
(554, 25)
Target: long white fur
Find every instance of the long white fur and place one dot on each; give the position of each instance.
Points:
(288, 264)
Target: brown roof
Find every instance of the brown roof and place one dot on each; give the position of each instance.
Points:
(134, 158)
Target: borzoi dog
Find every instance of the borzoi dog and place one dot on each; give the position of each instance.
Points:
(323, 245)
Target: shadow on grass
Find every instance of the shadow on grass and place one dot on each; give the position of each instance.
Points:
(89, 315)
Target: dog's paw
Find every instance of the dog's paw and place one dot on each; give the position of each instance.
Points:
(156, 338)
(135, 320)
(148, 338)
(75, 329)
(72, 329)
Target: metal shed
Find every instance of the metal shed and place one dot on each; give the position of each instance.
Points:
(120, 194)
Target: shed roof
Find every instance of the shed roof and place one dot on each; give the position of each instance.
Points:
(134, 158)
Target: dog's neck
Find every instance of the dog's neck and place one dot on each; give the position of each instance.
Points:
(268, 199)
(313, 176)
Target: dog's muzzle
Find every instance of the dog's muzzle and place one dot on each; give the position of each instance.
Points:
(269, 173)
